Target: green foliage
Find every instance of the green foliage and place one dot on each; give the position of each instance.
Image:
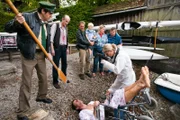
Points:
(77, 13)
(99, 2)
(28, 6)
(5, 17)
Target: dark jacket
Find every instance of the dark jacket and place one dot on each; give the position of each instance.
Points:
(82, 41)
(25, 42)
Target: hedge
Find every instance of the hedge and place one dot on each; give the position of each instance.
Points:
(77, 13)
(5, 17)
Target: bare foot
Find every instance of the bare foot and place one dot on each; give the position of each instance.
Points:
(145, 76)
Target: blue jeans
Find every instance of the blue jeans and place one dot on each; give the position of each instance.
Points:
(97, 60)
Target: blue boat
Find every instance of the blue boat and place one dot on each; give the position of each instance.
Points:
(168, 85)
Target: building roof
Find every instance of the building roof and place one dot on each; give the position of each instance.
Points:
(118, 7)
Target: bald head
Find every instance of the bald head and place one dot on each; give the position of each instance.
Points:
(65, 20)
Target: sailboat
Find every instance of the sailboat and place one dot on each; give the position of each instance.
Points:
(168, 85)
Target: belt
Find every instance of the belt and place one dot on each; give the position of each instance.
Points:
(38, 50)
(62, 45)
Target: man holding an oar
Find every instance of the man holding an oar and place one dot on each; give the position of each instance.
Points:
(31, 54)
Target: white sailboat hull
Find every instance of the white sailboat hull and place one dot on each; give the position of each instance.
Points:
(168, 85)
(138, 25)
(142, 48)
(136, 54)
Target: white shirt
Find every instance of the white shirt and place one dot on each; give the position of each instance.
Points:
(87, 114)
(123, 68)
(63, 34)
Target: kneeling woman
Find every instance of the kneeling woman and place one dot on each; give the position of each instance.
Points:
(121, 64)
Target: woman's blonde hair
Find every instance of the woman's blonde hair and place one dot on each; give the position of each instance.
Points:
(108, 47)
(100, 27)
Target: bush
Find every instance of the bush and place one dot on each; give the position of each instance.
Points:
(77, 13)
(5, 17)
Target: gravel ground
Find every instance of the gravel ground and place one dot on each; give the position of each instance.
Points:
(87, 90)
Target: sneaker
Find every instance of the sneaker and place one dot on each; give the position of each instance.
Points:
(81, 76)
(88, 74)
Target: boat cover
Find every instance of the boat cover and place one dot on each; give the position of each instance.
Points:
(169, 80)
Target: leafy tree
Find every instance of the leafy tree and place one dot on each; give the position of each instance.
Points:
(77, 13)
(96, 2)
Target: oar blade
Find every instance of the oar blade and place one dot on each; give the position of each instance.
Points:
(61, 76)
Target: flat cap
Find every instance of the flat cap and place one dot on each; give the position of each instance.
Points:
(47, 5)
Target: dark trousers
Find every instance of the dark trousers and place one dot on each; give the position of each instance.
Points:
(60, 53)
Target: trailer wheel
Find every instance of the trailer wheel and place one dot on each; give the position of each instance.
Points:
(153, 104)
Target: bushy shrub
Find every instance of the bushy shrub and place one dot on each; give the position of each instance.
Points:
(5, 17)
(77, 13)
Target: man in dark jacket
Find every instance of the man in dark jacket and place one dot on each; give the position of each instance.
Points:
(83, 46)
(31, 54)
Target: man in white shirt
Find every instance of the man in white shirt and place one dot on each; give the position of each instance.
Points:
(59, 45)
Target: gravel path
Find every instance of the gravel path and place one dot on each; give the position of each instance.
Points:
(60, 109)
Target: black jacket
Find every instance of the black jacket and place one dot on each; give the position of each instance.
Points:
(25, 42)
(82, 41)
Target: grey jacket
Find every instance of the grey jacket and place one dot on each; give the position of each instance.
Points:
(25, 42)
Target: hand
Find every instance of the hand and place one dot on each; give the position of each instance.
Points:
(52, 52)
(19, 18)
(91, 43)
(67, 51)
(50, 56)
(96, 103)
(103, 61)
(108, 94)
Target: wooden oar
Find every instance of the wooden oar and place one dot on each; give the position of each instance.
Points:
(60, 73)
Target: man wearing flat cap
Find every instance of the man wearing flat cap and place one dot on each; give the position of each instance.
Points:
(31, 54)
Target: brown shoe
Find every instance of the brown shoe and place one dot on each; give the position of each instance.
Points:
(56, 85)
(81, 76)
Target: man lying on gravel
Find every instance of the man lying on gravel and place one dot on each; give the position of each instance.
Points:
(120, 97)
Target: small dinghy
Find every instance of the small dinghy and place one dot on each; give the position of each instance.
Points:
(168, 85)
